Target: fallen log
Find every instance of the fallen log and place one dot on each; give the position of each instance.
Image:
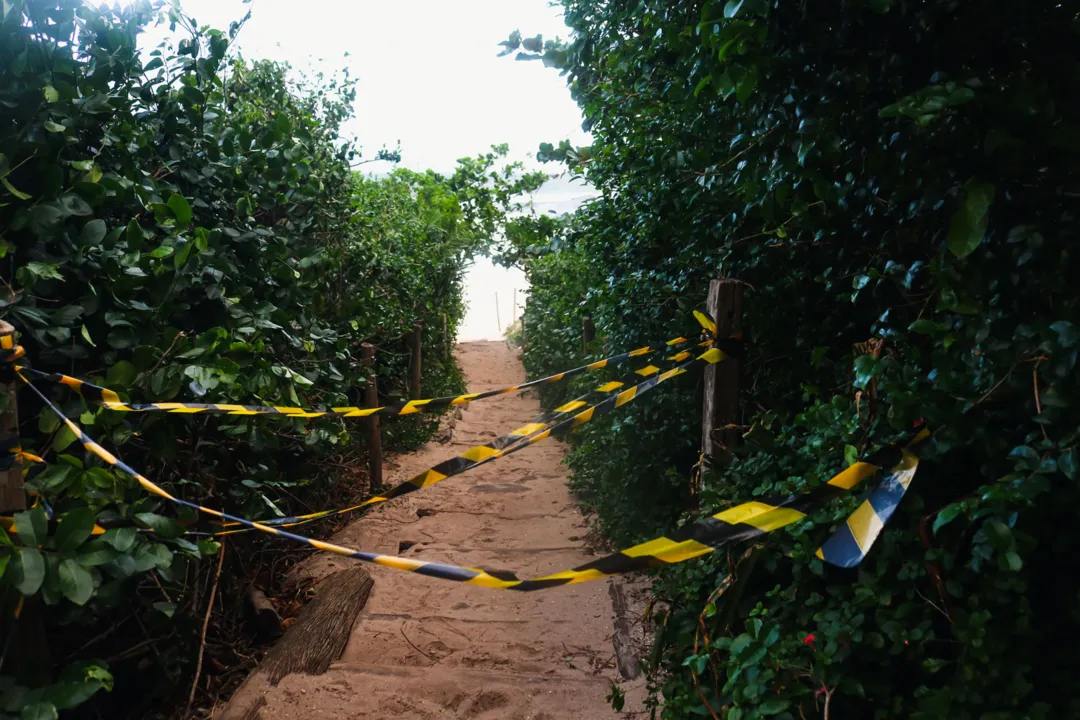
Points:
(310, 645)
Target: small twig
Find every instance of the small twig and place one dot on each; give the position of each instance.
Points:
(828, 701)
(167, 351)
(205, 624)
(1038, 403)
(996, 386)
(94, 639)
(160, 587)
(433, 660)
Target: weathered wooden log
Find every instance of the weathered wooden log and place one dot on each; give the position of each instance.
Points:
(310, 645)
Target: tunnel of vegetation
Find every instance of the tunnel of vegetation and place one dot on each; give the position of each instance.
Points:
(896, 182)
(180, 224)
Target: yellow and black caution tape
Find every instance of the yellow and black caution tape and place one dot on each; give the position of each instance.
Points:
(7, 522)
(111, 399)
(448, 572)
(850, 543)
(543, 427)
(704, 536)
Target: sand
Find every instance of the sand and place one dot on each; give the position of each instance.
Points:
(427, 648)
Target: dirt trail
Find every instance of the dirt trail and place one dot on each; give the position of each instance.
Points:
(426, 648)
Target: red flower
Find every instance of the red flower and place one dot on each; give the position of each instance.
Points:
(809, 640)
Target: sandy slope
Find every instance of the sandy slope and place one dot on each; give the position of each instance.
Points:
(427, 648)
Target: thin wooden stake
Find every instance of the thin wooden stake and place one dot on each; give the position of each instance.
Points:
(371, 422)
(414, 360)
(205, 624)
(12, 491)
(445, 338)
(721, 407)
(588, 332)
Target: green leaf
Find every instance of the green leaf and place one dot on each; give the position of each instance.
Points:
(193, 95)
(31, 570)
(866, 368)
(64, 437)
(44, 271)
(999, 534)
(208, 547)
(166, 527)
(1013, 562)
(75, 526)
(925, 327)
(732, 8)
(1067, 334)
(54, 127)
(93, 232)
(183, 251)
(86, 336)
(162, 251)
(13, 190)
(165, 607)
(772, 706)
(120, 538)
(1067, 463)
(39, 711)
(851, 455)
(51, 95)
(76, 582)
(181, 209)
(32, 526)
(946, 516)
(135, 235)
(121, 374)
(1025, 457)
(968, 225)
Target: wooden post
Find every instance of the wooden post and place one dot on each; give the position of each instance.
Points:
(414, 360)
(371, 422)
(446, 339)
(12, 492)
(724, 305)
(588, 332)
(28, 659)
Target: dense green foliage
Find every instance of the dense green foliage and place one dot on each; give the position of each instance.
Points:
(886, 170)
(180, 224)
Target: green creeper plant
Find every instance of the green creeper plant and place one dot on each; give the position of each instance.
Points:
(178, 223)
(899, 195)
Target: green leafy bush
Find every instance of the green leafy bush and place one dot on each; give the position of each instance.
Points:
(180, 224)
(898, 190)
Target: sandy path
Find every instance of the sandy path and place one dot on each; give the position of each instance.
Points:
(426, 648)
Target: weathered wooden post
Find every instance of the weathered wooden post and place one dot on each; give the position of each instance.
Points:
(446, 339)
(724, 305)
(588, 332)
(371, 422)
(30, 646)
(414, 360)
(12, 491)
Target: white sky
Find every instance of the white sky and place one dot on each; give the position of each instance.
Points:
(429, 80)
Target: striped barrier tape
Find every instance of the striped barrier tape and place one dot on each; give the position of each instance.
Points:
(111, 400)
(849, 544)
(8, 458)
(704, 536)
(545, 424)
(448, 572)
